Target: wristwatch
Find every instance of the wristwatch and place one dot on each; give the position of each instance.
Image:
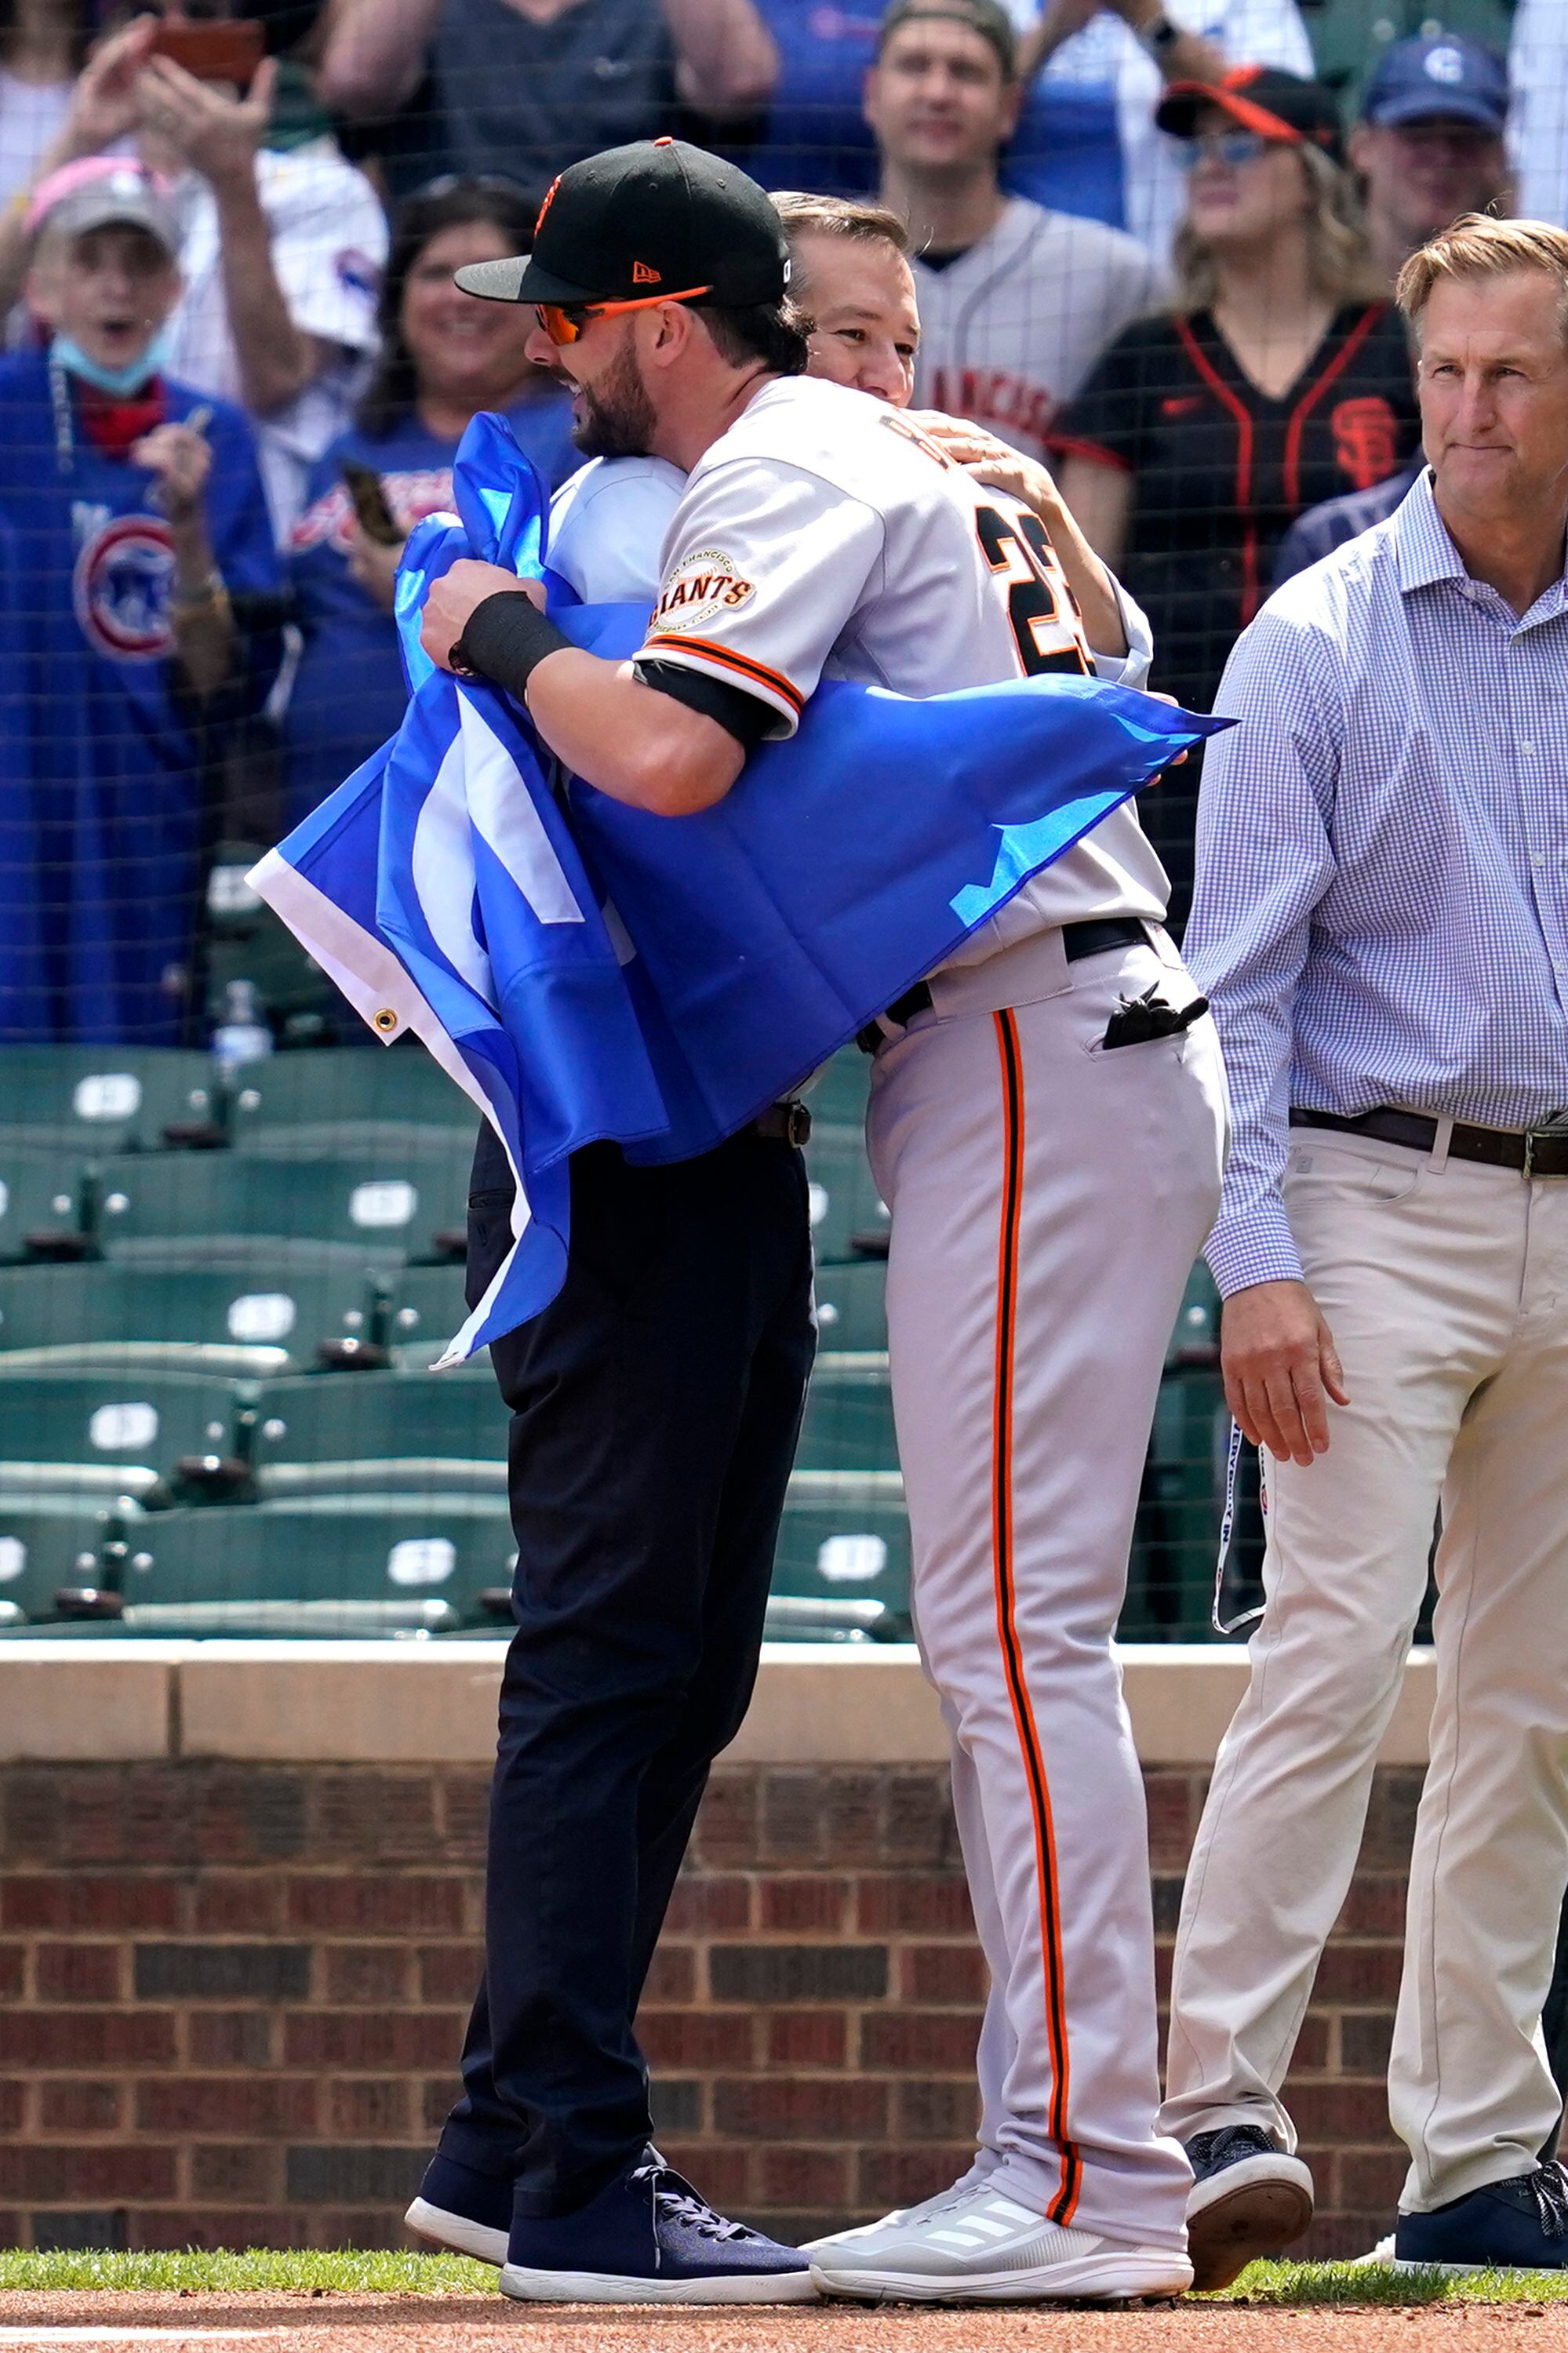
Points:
(1161, 36)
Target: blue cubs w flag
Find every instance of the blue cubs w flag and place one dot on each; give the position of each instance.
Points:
(586, 971)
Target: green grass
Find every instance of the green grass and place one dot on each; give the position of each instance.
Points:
(306, 2272)
(255, 2270)
(1303, 2284)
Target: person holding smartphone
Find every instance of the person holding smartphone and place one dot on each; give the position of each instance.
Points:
(443, 357)
(281, 251)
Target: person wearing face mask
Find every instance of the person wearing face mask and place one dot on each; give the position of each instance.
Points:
(442, 359)
(1280, 377)
(140, 524)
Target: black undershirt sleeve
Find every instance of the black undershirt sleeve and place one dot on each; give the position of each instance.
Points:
(745, 716)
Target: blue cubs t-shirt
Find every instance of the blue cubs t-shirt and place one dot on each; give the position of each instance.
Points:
(349, 694)
(106, 774)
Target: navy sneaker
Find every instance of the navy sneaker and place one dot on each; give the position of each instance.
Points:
(462, 2210)
(1516, 2225)
(1249, 2199)
(648, 2238)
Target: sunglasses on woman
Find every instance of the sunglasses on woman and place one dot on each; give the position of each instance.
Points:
(564, 322)
(1233, 148)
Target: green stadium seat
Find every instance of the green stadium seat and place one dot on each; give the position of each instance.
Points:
(1195, 1335)
(851, 1311)
(1176, 1534)
(354, 1419)
(837, 1095)
(843, 1196)
(101, 1098)
(260, 1320)
(426, 1308)
(379, 1208)
(136, 1418)
(47, 1541)
(40, 1192)
(373, 1548)
(845, 1533)
(849, 1415)
(348, 1099)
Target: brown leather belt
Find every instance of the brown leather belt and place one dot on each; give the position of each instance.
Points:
(1534, 1152)
(783, 1122)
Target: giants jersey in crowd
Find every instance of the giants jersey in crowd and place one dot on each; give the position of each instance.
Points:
(824, 536)
(1221, 469)
(1010, 327)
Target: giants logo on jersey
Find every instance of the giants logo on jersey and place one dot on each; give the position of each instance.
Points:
(1366, 440)
(701, 587)
(120, 586)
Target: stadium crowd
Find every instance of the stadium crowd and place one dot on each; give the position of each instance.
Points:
(1153, 254)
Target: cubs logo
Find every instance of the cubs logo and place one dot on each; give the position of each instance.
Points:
(121, 588)
(699, 589)
(1366, 440)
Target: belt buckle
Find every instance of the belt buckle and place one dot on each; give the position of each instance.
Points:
(797, 1123)
(1551, 1133)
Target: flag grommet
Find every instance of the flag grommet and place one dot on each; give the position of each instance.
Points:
(385, 1019)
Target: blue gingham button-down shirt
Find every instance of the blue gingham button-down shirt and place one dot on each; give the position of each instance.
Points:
(1381, 914)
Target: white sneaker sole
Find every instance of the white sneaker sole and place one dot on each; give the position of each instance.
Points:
(604, 2287)
(1247, 2213)
(456, 2234)
(1098, 2279)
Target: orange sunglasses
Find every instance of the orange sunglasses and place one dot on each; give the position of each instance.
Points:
(564, 322)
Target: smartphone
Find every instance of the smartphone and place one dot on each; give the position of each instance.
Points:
(215, 49)
(376, 520)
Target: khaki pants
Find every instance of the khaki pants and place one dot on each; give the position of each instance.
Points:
(1445, 1287)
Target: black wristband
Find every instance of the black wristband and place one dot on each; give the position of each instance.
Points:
(507, 638)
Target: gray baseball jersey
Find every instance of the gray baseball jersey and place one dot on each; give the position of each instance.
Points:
(824, 536)
(1010, 328)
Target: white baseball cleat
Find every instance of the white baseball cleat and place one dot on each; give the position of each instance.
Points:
(900, 2216)
(983, 2247)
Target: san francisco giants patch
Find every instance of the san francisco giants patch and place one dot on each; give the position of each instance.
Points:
(701, 587)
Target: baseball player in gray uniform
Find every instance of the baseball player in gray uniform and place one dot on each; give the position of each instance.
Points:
(1047, 1126)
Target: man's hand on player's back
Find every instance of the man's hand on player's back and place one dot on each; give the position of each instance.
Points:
(1278, 1360)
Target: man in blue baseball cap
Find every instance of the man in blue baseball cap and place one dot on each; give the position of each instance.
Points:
(1429, 145)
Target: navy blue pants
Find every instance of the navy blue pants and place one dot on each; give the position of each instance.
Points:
(655, 1407)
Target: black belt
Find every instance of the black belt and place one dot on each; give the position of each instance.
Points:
(783, 1122)
(1078, 940)
(1535, 1152)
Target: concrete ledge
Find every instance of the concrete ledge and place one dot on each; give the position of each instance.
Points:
(81, 1703)
(413, 1703)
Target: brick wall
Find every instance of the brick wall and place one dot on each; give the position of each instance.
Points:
(233, 1998)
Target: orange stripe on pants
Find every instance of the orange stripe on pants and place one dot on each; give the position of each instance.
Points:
(1065, 2202)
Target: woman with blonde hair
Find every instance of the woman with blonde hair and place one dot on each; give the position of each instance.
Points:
(1280, 377)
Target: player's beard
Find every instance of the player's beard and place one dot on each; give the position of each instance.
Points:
(616, 416)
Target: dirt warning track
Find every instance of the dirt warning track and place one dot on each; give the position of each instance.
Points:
(305, 2323)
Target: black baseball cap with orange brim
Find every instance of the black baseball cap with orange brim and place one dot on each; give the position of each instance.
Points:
(1264, 99)
(657, 220)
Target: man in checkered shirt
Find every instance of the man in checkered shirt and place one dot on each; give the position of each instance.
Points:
(1382, 925)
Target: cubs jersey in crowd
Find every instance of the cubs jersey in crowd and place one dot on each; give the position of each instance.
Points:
(99, 895)
(349, 693)
(1010, 327)
(824, 536)
(1220, 469)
